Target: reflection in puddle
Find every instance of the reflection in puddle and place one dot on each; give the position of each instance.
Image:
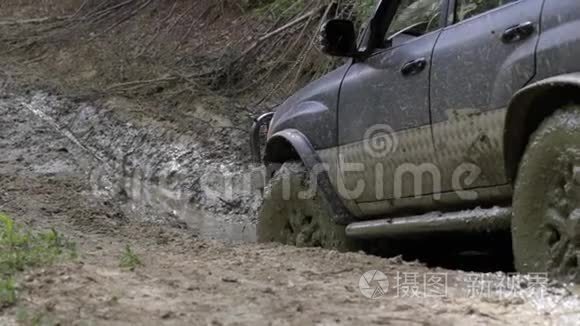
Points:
(164, 201)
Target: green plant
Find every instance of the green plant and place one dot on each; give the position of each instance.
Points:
(7, 292)
(129, 259)
(21, 249)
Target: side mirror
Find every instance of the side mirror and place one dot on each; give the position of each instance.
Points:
(338, 38)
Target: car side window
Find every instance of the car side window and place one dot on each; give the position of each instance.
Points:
(466, 9)
(416, 16)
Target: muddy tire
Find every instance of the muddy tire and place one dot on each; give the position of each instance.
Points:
(546, 223)
(293, 214)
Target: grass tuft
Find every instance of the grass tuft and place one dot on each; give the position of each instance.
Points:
(129, 259)
(7, 292)
(20, 250)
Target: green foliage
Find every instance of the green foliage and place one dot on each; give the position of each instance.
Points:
(7, 292)
(20, 250)
(129, 259)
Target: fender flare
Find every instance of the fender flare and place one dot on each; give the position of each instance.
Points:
(305, 151)
(528, 108)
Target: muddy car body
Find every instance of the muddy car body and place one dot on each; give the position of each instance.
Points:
(438, 109)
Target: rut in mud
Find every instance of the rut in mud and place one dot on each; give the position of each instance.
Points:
(156, 173)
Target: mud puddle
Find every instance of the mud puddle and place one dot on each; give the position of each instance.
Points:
(156, 174)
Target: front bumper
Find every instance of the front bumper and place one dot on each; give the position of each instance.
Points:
(255, 141)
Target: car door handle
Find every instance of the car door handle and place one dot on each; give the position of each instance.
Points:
(518, 32)
(414, 67)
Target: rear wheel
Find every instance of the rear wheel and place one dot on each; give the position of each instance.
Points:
(294, 212)
(546, 223)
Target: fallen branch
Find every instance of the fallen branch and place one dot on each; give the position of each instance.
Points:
(308, 48)
(34, 20)
(129, 16)
(137, 83)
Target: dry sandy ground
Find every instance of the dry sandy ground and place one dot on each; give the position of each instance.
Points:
(188, 280)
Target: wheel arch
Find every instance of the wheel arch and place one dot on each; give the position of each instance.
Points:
(280, 150)
(528, 108)
(291, 144)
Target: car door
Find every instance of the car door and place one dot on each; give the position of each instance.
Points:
(383, 115)
(480, 60)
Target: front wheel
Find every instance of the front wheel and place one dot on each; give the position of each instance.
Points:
(294, 212)
(546, 223)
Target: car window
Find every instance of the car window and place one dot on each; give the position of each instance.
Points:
(425, 14)
(466, 9)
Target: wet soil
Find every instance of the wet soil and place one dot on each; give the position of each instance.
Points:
(72, 166)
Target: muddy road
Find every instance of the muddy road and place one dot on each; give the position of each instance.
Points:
(107, 181)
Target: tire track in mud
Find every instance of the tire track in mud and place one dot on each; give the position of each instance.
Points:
(64, 132)
(157, 174)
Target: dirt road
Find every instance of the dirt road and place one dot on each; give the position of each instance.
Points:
(57, 171)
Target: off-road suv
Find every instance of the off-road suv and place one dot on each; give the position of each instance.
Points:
(466, 107)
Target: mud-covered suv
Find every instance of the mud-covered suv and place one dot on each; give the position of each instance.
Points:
(470, 108)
